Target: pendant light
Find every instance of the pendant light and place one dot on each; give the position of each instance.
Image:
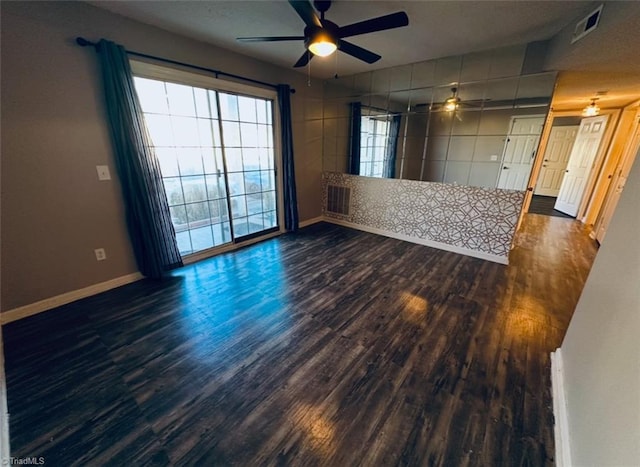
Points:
(591, 110)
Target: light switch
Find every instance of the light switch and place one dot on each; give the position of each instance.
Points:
(494, 157)
(103, 172)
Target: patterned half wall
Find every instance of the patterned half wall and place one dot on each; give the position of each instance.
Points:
(475, 221)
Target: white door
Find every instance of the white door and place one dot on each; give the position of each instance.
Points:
(580, 164)
(555, 161)
(618, 182)
(519, 152)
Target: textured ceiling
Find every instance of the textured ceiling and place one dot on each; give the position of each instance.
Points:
(436, 29)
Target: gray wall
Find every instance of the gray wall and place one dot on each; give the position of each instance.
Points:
(601, 351)
(54, 210)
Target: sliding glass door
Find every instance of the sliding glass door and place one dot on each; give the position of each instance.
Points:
(247, 129)
(216, 154)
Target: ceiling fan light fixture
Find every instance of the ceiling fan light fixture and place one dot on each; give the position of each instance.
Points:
(322, 49)
(451, 104)
(591, 110)
(322, 44)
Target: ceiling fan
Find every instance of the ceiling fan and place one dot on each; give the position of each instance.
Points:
(322, 37)
(453, 103)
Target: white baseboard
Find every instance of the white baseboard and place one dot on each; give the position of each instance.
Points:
(561, 426)
(5, 448)
(421, 241)
(312, 221)
(68, 297)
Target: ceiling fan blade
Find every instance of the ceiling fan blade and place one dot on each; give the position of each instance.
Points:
(358, 52)
(474, 102)
(302, 61)
(270, 39)
(306, 11)
(394, 20)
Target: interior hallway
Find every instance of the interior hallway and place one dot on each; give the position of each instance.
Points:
(330, 346)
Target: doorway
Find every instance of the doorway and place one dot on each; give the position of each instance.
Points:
(556, 158)
(520, 151)
(619, 179)
(581, 164)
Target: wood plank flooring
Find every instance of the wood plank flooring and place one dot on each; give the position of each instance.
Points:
(326, 347)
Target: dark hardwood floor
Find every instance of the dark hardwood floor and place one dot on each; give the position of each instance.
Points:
(326, 347)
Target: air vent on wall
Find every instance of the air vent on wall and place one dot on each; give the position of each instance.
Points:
(338, 199)
(587, 24)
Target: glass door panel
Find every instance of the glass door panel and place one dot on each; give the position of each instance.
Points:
(216, 154)
(247, 130)
(184, 128)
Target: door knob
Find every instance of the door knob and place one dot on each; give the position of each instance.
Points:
(566, 171)
(544, 165)
(505, 168)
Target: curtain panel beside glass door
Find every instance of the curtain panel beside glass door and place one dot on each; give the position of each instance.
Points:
(147, 212)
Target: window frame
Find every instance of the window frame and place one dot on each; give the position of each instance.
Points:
(148, 70)
(376, 119)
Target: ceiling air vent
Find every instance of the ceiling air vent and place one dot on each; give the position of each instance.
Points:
(586, 25)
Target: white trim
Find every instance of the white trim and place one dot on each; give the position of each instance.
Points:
(68, 297)
(194, 77)
(311, 221)
(561, 425)
(5, 447)
(422, 241)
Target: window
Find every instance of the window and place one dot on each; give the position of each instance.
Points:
(216, 155)
(374, 142)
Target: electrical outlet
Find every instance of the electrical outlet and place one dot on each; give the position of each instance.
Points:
(100, 254)
(103, 172)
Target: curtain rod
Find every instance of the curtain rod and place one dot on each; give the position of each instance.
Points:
(81, 41)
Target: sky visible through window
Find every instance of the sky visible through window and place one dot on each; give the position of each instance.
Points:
(216, 155)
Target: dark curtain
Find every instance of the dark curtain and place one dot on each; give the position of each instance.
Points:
(289, 176)
(356, 126)
(389, 170)
(147, 211)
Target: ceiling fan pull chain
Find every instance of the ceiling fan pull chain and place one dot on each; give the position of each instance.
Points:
(308, 69)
